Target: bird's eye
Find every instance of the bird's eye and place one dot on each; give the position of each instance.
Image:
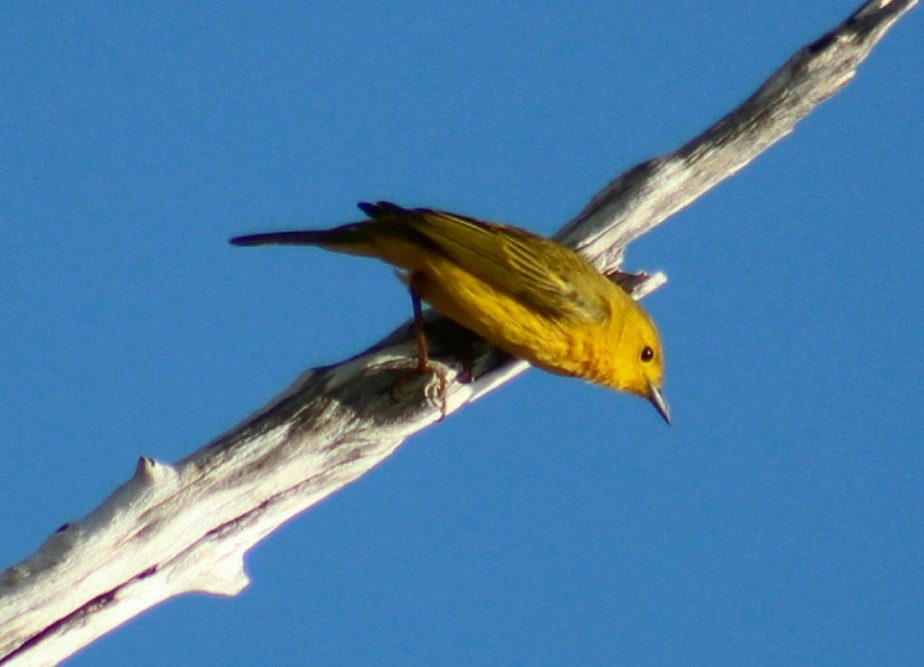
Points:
(647, 354)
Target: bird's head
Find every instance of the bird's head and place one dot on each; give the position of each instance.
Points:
(639, 360)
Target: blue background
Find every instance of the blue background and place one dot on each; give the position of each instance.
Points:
(779, 521)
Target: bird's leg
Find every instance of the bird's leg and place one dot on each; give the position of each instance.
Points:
(467, 358)
(423, 360)
(463, 347)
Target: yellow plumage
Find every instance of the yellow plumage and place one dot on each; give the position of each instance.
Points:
(528, 295)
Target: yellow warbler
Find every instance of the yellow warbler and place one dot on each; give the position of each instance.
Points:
(528, 295)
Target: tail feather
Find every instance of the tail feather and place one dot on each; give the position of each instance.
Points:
(358, 238)
(381, 209)
(340, 238)
(281, 238)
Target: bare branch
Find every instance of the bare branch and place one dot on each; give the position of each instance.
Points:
(174, 529)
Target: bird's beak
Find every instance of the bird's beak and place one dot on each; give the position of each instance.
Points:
(657, 400)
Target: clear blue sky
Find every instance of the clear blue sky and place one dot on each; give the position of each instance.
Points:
(778, 522)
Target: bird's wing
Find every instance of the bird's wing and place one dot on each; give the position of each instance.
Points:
(535, 270)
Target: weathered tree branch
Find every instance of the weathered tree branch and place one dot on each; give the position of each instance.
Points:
(186, 527)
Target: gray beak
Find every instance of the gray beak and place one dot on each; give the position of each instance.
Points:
(657, 400)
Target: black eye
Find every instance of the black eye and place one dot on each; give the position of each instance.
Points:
(646, 355)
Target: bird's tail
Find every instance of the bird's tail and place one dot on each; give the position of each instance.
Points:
(359, 238)
(348, 238)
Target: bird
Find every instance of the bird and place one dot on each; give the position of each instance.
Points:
(528, 295)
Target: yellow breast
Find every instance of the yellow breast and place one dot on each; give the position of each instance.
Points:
(503, 321)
